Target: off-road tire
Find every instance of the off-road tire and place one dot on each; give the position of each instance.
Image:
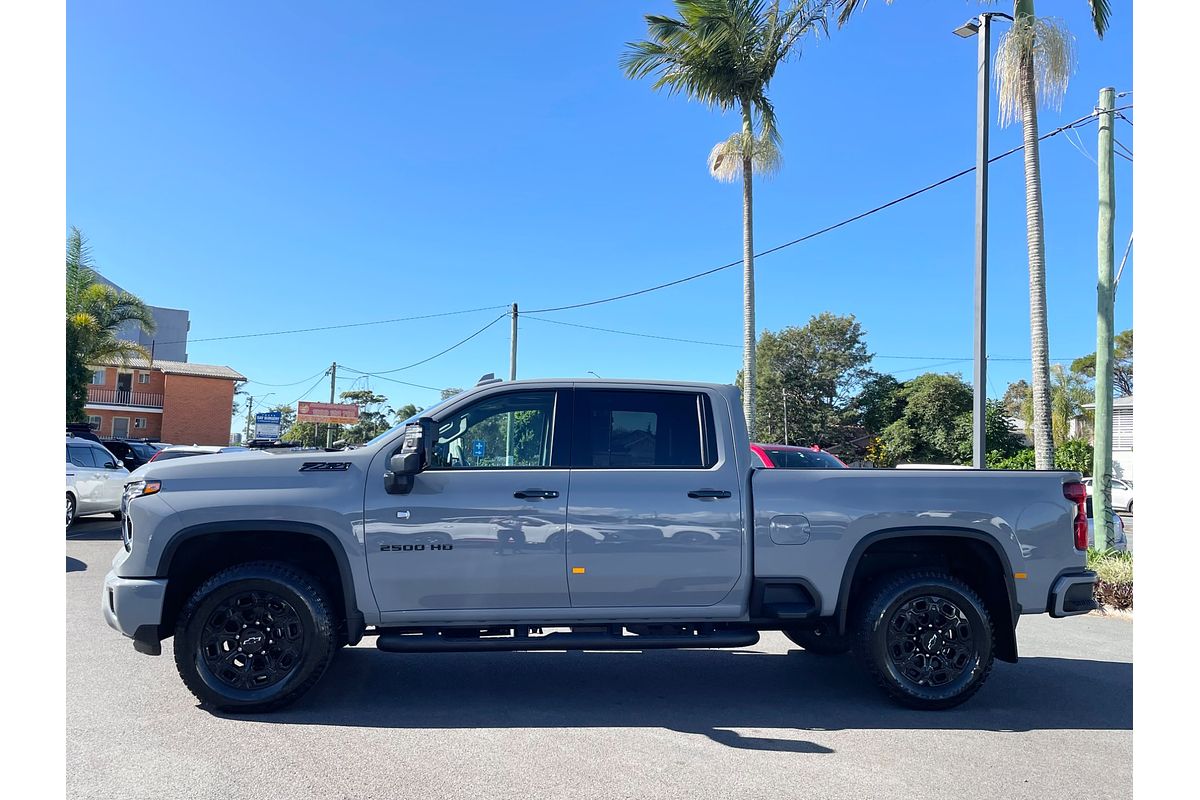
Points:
(305, 599)
(890, 609)
(820, 641)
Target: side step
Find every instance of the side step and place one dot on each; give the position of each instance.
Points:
(609, 637)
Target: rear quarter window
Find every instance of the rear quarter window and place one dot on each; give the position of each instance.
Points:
(617, 429)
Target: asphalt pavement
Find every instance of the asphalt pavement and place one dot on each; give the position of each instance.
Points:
(759, 722)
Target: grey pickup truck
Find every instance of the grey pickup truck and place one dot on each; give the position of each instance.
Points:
(584, 515)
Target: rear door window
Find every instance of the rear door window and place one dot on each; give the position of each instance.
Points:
(617, 429)
(81, 456)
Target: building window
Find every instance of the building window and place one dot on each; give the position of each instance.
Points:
(94, 422)
(98, 377)
(139, 422)
(1122, 435)
(143, 377)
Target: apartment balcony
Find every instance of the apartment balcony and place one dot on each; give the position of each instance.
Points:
(121, 397)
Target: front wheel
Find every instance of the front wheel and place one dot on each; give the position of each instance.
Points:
(926, 638)
(255, 637)
(70, 509)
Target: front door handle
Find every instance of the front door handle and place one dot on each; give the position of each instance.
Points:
(703, 493)
(535, 494)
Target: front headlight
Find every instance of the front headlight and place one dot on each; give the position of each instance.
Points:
(140, 488)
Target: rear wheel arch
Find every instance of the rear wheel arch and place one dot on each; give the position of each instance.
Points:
(198, 552)
(974, 557)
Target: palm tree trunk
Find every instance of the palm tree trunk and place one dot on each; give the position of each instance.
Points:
(1043, 431)
(748, 337)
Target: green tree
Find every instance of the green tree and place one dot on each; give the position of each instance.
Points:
(372, 415)
(406, 411)
(879, 403)
(724, 53)
(1069, 392)
(1035, 59)
(928, 431)
(1122, 364)
(821, 367)
(1000, 437)
(94, 313)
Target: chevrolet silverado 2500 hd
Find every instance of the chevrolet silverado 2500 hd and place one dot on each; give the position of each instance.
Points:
(584, 514)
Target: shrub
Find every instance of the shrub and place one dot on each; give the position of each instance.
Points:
(1114, 572)
(1022, 460)
(1074, 455)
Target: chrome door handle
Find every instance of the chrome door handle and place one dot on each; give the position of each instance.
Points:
(535, 494)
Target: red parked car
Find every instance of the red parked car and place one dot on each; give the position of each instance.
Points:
(786, 456)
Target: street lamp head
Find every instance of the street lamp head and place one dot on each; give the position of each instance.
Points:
(967, 29)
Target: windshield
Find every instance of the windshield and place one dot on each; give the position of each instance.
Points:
(802, 459)
(427, 412)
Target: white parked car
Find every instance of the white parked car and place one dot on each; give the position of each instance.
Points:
(185, 450)
(1122, 493)
(95, 480)
(1119, 543)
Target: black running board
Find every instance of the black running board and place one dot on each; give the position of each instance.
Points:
(437, 642)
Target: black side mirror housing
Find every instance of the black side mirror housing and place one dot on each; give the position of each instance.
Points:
(404, 466)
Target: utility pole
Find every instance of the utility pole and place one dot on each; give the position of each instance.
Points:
(785, 420)
(512, 376)
(979, 399)
(1102, 511)
(512, 347)
(332, 388)
(249, 409)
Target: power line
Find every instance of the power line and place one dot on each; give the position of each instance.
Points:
(296, 402)
(827, 229)
(393, 380)
(294, 383)
(336, 327)
(459, 343)
(1118, 143)
(630, 333)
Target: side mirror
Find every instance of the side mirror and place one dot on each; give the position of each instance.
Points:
(404, 465)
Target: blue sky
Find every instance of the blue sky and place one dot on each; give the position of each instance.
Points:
(278, 165)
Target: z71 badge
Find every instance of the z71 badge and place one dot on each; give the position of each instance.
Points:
(325, 466)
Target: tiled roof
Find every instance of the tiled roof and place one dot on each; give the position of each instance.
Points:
(182, 368)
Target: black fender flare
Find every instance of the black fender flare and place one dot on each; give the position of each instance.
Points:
(355, 621)
(1007, 632)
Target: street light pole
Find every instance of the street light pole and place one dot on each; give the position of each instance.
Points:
(982, 29)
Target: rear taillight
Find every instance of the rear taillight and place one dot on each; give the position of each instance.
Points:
(1077, 493)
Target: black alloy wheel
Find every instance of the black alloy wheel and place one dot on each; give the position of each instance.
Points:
(927, 639)
(255, 637)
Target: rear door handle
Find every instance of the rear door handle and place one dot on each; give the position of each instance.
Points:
(703, 493)
(535, 494)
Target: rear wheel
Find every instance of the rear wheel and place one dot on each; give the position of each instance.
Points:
(255, 637)
(926, 638)
(70, 509)
(821, 641)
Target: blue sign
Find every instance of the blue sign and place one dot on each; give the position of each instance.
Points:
(478, 447)
(267, 424)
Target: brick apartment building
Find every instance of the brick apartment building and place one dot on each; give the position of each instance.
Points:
(171, 401)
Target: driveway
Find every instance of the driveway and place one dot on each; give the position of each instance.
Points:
(765, 721)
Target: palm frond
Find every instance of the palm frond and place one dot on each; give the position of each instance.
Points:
(1046, 47)
(727, 158)
(1101, 10)
(848, 7)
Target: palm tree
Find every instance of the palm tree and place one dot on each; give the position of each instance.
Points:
(1036, 56)
(724, 53)
(94, 314)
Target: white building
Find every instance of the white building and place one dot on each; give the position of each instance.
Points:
(1122, 435)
